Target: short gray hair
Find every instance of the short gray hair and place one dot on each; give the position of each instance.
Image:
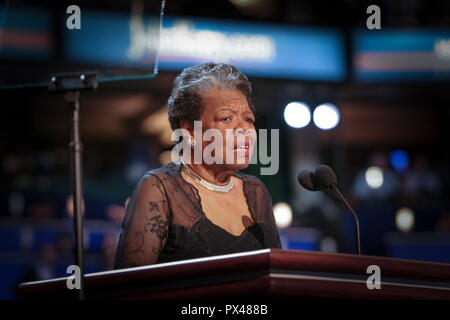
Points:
(185, 102)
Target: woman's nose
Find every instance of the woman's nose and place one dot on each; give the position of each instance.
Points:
(243, 126)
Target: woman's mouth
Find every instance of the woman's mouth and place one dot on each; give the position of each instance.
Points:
(243, 148)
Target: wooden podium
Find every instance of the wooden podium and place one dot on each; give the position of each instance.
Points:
(269, 273)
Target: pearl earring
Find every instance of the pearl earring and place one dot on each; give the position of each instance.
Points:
(192, 142)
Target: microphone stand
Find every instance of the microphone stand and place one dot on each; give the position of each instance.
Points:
(71, 84)
(341, 197)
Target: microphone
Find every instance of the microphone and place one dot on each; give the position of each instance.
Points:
(307, 180)
(325, 176)
(325, 180)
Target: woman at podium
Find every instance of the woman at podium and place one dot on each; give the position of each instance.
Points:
(201, 205)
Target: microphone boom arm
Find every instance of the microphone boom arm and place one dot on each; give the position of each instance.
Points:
(341, 197)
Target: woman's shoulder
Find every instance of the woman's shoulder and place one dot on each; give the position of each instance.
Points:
(171, 169)
(157, 176)
(252, 181)
(258, 195)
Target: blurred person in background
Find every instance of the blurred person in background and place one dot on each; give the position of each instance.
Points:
(45, 267)
(64, 244)
(115, 213)
(109, 247)
(187, 210)
(422, 183)
(42, 209)
(377, 181)
(443, 223)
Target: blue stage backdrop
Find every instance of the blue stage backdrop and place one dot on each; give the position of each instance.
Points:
(258, 49)
(27, 33)
(401, 55)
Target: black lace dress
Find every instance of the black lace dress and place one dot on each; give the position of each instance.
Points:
(165, 221)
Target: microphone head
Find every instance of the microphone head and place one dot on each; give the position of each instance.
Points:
(307, 180)
(325, 176)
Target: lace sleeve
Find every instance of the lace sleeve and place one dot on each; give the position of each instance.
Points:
(145, 226)
(270, 218)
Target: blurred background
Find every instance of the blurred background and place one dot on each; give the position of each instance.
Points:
(372, 104)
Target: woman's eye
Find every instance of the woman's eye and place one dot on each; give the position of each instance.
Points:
(226, 119)
(250, 120)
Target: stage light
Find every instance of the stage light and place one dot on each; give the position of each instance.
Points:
(283, 214)
(297, 114)
(374, 177)
(326, 116)
(399, 160)
(404, 219)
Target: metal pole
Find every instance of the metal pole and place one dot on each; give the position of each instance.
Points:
(73, 98)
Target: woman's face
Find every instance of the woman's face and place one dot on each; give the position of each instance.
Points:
(228, 111)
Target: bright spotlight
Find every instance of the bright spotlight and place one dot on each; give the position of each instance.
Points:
(297, 114)
(374, 177)
(326, 116)
(283, 214)
(404, 219)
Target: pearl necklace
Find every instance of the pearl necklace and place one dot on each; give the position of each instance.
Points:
(208, 185)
